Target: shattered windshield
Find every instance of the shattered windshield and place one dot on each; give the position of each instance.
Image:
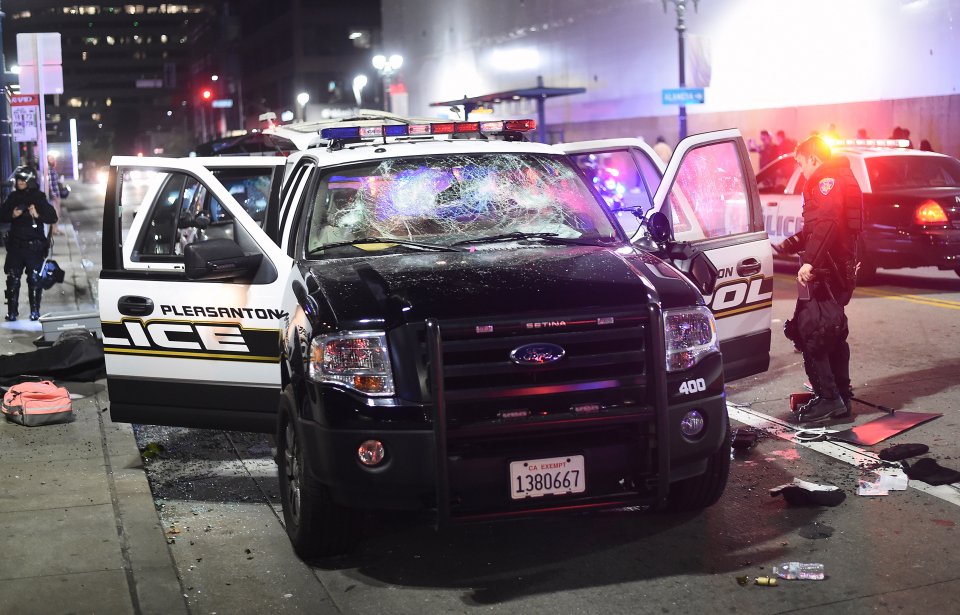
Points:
(443, 200)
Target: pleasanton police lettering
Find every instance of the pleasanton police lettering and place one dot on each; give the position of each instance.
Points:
(742, 295)
(221, 312)
(210, 340)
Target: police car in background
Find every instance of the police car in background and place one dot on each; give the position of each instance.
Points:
(911, 204)
(448, 323)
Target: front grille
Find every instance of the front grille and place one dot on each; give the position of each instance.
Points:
(604, 369)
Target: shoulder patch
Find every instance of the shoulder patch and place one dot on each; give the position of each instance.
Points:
(826, 185)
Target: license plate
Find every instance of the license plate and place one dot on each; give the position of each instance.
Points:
(535, 478)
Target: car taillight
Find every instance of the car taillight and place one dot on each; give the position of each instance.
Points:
(930, 212)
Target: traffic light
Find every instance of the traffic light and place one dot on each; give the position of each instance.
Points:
(206, 94)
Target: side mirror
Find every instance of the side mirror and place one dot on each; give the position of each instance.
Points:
(659, 227)
(218, 259)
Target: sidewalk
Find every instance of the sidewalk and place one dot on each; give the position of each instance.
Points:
(78, 529)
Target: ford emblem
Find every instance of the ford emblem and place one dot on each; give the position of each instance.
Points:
(537, 354)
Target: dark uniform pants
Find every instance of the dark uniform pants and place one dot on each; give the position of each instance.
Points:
(19, 260)
(827, 362)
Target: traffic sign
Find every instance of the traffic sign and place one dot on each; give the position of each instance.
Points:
(683, 96)
(24, 111)
(222, 103)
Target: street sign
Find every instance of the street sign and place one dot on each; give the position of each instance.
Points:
(683, 96)
(222, 103)
(40, 59)
(24, 112)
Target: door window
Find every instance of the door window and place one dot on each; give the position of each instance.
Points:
(617, 178)
(774, 178)
(182, 212)
(709, 196)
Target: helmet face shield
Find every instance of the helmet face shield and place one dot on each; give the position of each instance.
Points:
(23, 174)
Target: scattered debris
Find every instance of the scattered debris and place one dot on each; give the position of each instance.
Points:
(744, 438)
(816, 531)
(768, 581)
(804, 493)
(931, 472)
(151, 450)
(900, 452)
(882, 481)
(742, 581)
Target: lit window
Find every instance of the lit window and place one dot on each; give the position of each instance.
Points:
(163, 38)
(91, 40)
(109, 102)
(74, 102)
(110, 40)
(84, 56)
(95, 117)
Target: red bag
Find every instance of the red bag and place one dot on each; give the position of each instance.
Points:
(37, 403)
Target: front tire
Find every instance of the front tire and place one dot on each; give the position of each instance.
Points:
(316, 525)
(702, 491)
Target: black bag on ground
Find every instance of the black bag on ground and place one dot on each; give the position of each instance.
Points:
(50, 274)
(76, 356)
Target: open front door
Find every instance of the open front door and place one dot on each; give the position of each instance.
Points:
(191, 297)
(709, 195)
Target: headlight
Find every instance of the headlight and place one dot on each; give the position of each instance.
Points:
(690, 334)
(358, 361)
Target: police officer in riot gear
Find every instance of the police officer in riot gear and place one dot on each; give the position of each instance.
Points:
(832, 217)
(27, 210)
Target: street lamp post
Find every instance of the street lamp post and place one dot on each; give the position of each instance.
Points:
(302, 99)
(359, 82)
(681, 7)
(386, 67)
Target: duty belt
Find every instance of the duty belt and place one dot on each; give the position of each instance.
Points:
(27, 244)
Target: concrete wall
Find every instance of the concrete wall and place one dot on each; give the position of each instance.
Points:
(810, 63)
(935, 118)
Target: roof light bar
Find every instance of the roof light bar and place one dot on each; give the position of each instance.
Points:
(439, 128)
(868, 142)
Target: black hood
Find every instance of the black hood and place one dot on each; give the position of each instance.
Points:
(489, 283)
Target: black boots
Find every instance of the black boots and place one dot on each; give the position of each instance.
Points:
(821, 409)
(34, 292)
(12, 295)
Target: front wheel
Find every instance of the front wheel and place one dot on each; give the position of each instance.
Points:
(702, 491)
(316, 525)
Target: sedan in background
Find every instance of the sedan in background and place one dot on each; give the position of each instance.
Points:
(911, 204)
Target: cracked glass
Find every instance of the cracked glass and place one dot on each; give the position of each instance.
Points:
(442, 200)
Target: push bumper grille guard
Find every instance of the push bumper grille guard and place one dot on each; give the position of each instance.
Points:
(656, 388)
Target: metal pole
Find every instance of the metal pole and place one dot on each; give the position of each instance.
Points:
(681, 29)
(43, 171)
(5, 149)
(541, 113)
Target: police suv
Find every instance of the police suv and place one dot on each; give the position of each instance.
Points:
(444, 316)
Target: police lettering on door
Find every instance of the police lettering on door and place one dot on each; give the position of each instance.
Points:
(740, 295)
(198, 339)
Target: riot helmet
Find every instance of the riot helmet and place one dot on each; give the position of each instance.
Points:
(24, 173)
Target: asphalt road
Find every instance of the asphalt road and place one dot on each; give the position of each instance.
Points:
(216, 494)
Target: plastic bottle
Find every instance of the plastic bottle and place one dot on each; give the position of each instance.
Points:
(799, 570)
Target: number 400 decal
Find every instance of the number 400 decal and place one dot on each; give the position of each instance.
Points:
(692, 386)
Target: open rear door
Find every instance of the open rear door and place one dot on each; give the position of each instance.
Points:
(717, 237)
(190, 299)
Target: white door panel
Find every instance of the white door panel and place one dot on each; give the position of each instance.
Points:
(178, 351)
(710, 198)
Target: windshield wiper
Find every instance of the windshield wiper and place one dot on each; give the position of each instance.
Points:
(545, 237)
(402, 242)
